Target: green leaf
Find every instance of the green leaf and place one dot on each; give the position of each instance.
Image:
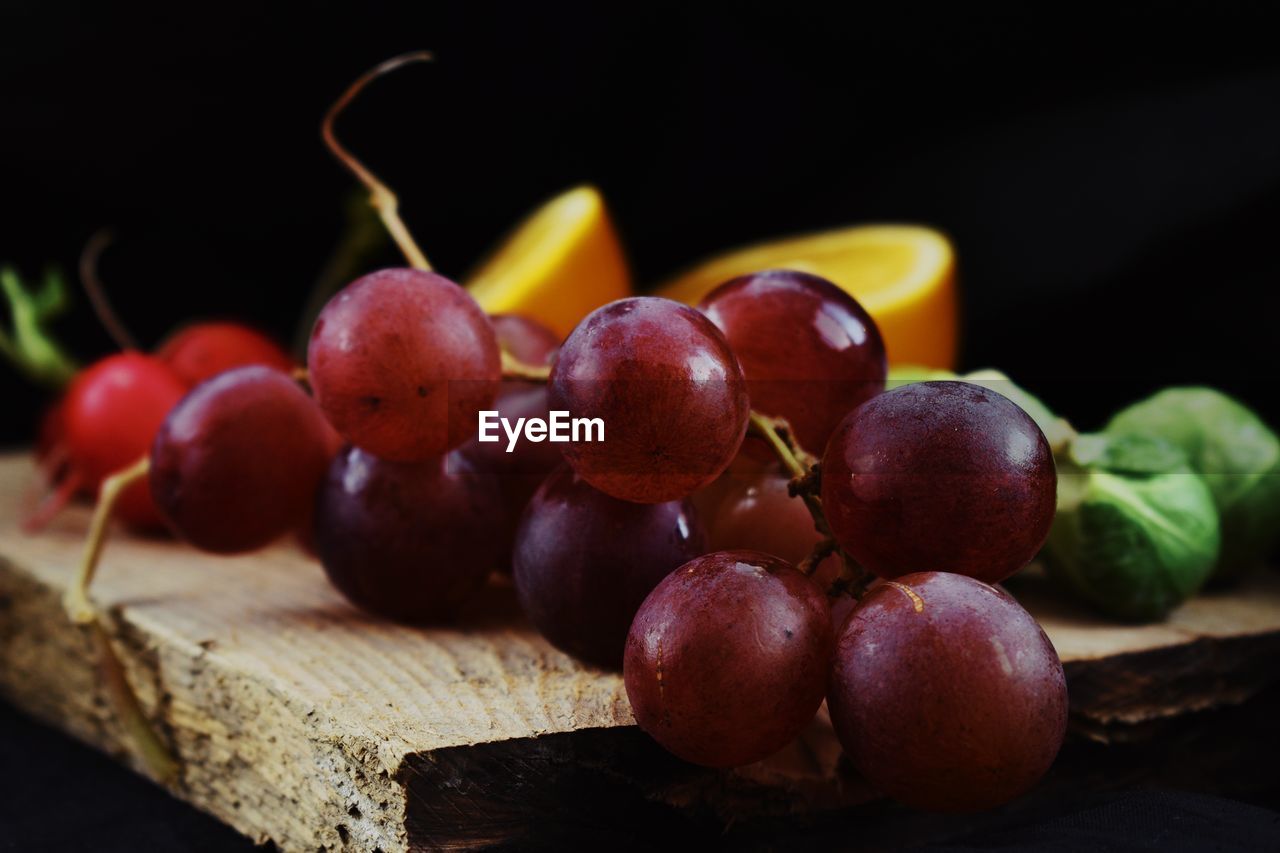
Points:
(29, 345)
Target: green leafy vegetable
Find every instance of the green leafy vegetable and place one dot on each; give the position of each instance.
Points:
(1235, 452)
(29, 346)
(1136, 532)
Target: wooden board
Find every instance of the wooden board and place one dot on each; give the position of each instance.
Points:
(301, 721)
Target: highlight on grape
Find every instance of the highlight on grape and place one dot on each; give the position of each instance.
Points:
(558, 426)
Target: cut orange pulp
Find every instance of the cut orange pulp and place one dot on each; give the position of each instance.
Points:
(558, 265)
(904, 275)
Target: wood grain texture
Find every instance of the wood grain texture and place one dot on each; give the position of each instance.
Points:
(301, 721)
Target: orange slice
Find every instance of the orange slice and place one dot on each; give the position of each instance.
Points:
(904, 275)
(559, 264)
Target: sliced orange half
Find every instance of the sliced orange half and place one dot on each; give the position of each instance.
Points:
(904, 275)
(559, 264)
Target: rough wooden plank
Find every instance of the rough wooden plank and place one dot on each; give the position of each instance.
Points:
(299, 720)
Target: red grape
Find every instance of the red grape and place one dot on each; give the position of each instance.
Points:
(110, 416)
(584, 561)
(402, 361)
(518, 474)
(762, 516)
(668, 389)
(939, 475)
(727, 658)
(525, 338)
(946, 694)
(808, 350)
(238, 460)
(411, 541)
(203, 350)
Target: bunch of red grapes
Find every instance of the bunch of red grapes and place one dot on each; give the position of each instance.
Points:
(945, 693)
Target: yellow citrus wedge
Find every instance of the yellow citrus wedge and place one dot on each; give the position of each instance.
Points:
(904, 275)
(563, 261)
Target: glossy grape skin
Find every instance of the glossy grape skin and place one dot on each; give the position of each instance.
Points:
(944, 476)
(946, 694)
(584, 561)
(669, 390)
(410, 541)
(727, 658)
(236, 463)
(809, 351)
(402, 361)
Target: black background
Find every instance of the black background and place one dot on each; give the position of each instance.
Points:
(1111, 177)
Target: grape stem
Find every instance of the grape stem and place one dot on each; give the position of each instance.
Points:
(805, 484)
(381, 197)
(151, 750)
(97, 294)
(514, 368)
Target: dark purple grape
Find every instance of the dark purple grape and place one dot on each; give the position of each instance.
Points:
(662, 379)
(808, 350)
(402, 361)
(946, 694)
(584, 561)
(236, 463)
(520, 472)
(727, 658)
(411, 541)
(944, 476)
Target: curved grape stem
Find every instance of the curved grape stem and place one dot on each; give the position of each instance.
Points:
(152, 751)
(805, 476)
(381, 197)
(76, 600)
(97, 294)
(514, 368)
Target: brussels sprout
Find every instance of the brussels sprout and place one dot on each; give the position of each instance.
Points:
(1236, 453)
(1136, 532)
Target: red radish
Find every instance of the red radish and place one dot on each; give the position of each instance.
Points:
(53, 459)
(110, 415)
(203, 350)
